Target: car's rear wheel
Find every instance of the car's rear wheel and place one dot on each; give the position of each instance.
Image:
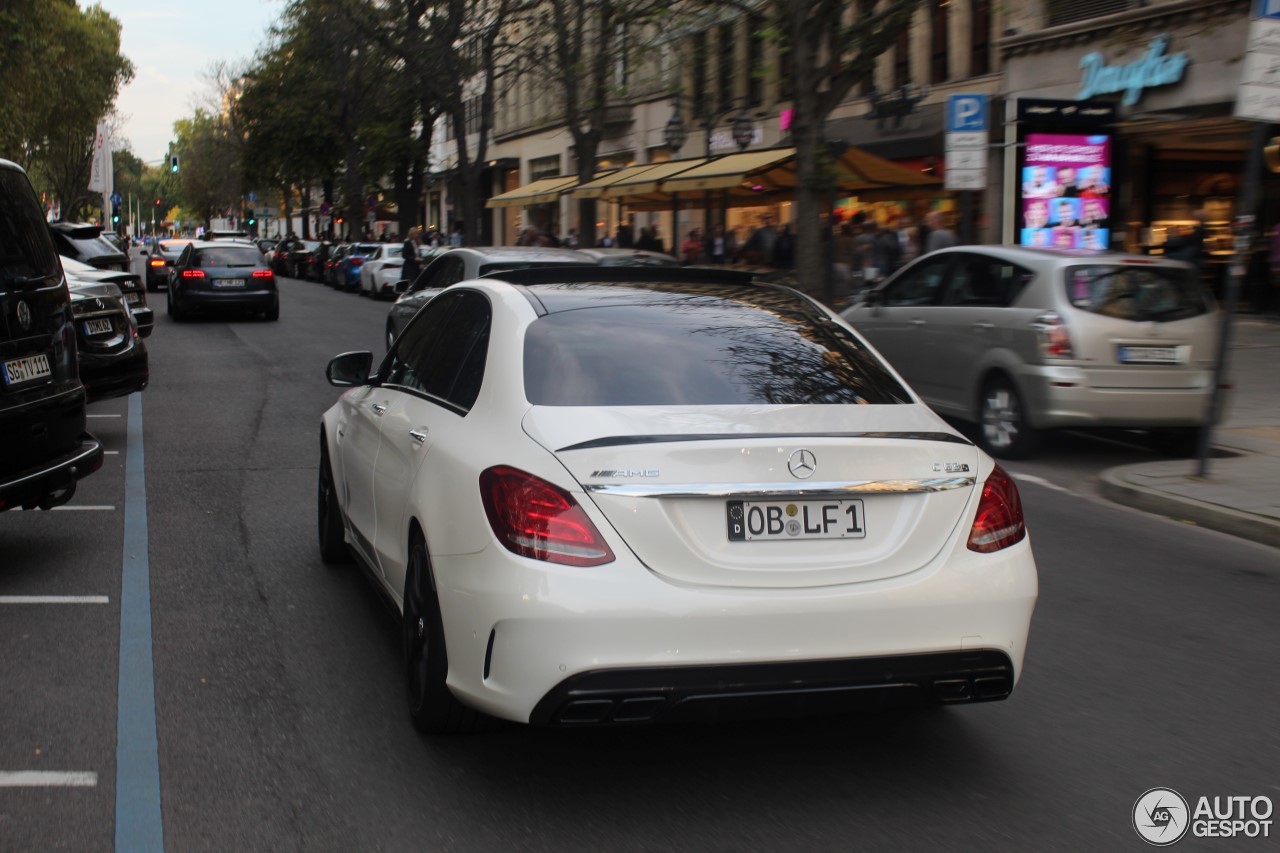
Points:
(432, 707)
(175, 311)
(333, 545)
(273, 313)
(1005, 433)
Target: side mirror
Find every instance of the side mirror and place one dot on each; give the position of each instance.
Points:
(874, 296)
(349, 369)
(402, 286)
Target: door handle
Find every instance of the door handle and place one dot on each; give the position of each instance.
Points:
(379, 409)
(419, 435)
(983, 326)
(916, 322)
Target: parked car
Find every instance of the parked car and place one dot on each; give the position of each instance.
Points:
(333, 265)
(160, 261)
(222, 276)
(381, 270)
(460, 264)
(130, 286)
(46, 449)
(294, 258)
(1023, 340)
(630, 258)
(113, 358)
(609, 495)
(348, 269)
(118, 242)
(86, 243)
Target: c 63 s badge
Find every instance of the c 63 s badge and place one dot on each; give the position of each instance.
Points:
(951, 467)
(627, 473)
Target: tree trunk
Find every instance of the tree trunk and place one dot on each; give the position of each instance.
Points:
(407, 213)
(812, 175)
(586, 146)
(306, 213)
(287, 210)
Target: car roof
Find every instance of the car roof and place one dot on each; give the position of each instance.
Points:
(1059, 257)
(222, 244)
(516, 254)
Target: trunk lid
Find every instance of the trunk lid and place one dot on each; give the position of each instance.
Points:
(876, 490)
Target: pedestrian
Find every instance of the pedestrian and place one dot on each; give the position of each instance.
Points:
(412, 266)
(845, 255)
(691, 248)
(784, 248)
(648, 242)
(626, 238)
(940, 236)
(458, 235)
(1189, 245)
(571, 241)
(717, 247)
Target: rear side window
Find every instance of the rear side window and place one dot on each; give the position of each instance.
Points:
(1138, 293)
(699, 350)
(228, 257)
(87, 247)
(25, 248)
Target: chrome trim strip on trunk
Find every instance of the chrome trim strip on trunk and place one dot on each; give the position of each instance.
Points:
(619, 440)
(789, 490)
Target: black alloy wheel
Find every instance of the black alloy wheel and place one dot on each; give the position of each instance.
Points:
(432, 707)
(172, 307)
(333, 545)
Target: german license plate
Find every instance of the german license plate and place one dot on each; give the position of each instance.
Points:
(752, 521)
(228, 282)
(19, 370)
(132, 298)
(1148, 355)
(97, 327)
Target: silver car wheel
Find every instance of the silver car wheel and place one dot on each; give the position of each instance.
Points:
(1001, 419)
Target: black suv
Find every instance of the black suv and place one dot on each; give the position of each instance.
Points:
(45, 449)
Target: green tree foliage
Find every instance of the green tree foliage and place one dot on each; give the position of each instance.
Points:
(210, 181)
(62, 71)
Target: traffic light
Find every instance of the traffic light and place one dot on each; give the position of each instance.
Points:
(173, 164)
(157, 202)
(251, 220)
(115, 215)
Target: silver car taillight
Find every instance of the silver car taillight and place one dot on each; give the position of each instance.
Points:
(1053, 336)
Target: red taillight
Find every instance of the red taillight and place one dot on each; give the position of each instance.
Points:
(263, 274)
(156, 262)
(193, 273)
(999, 522)
(535, 519)
(1055, 340)
(355, 262)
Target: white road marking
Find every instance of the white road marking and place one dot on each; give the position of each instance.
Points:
(111, 453)
(1040, 481)
(85, 508)
(54, 599)
(47, 779)
(102, 416)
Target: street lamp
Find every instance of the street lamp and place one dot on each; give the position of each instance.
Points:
(743, 130)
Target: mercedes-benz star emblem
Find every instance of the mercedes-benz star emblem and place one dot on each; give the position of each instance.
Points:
(802, 464)
(24, 316)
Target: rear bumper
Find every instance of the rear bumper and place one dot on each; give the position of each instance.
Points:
(1069, 397)
(107, 376)
(34, 485)
(250, 300)
(526, 639)
(740, 691)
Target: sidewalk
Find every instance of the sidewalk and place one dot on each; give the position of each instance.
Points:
(1241, 495)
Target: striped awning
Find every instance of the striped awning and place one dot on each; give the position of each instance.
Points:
(538, 192)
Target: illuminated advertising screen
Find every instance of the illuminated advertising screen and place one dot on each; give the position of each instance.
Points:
(1066, 191)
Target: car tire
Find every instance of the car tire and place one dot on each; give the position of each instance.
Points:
(432, 707)
(1004, 431)
(173, 309)
(273, 313)
(1178, 442)
(333, 544)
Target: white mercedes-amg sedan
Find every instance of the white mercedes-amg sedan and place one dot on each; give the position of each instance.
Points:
(621, 495)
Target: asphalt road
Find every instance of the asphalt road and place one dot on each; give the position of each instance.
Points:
(280, 708)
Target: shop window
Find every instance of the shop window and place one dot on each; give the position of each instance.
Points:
(1070, 11)
(544, 167)
(980, 38)
(726, 64)
(939, 70)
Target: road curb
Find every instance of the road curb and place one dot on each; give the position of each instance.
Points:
(1117, 488)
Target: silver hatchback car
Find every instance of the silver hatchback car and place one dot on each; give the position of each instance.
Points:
(1022, 340)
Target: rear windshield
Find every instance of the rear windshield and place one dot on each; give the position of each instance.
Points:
(681, 349)
(91, 247)
(25, 249)
(231, 256)
(1136, 292)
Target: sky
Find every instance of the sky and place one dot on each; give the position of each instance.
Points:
(172, 43)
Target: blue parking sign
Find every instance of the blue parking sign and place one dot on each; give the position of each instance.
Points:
(968, 113)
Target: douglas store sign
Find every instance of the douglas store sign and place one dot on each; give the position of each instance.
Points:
(1155, 68)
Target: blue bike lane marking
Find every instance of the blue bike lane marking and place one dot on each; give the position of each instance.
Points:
(138, 823)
